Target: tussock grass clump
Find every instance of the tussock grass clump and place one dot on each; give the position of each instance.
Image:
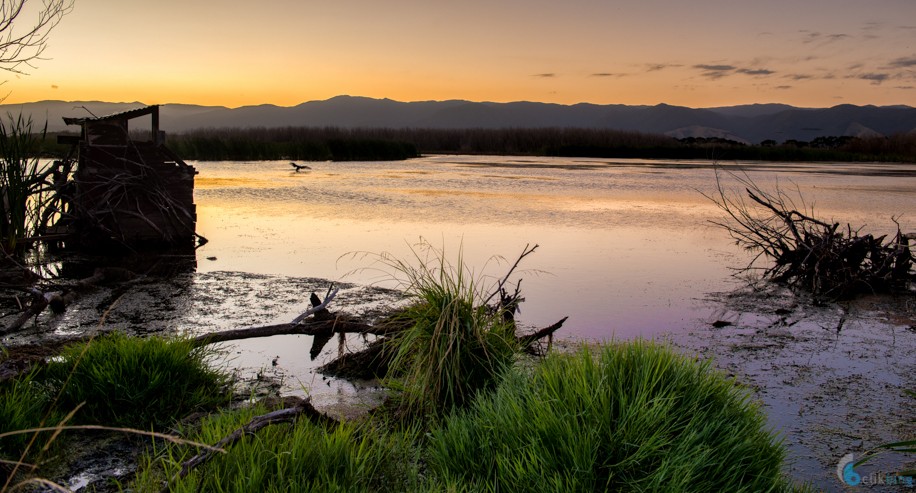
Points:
(633, 417)
(23, 405)
(453, 345)
(135, 382)
(305, 457)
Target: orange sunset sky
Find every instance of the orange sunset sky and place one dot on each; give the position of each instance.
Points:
(696, 53)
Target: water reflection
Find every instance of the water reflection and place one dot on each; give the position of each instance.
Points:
(626, 244)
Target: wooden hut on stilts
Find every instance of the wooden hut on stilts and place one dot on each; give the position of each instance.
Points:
(130, 189)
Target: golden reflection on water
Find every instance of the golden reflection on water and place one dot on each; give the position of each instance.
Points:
(627, 253)
(209, 182)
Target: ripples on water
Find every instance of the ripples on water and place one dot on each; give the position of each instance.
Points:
(626, 247)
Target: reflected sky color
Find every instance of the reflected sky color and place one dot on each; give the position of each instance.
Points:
(626, 246)
(702, 53)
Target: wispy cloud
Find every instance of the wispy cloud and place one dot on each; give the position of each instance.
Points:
(782, 88)
(715, 71)
(607, 74)
(755, 71)
(547, 75)
(874, 77)
(656, 67)
(716, 68)
(817, 37)
(718, 71)
(799, 76)
(871, 29)
(904, 62)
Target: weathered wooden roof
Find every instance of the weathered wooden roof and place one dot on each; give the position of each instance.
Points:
(124, 115)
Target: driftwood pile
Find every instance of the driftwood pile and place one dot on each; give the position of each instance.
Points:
(813, 255)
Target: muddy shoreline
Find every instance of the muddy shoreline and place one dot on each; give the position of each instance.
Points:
(829, 377)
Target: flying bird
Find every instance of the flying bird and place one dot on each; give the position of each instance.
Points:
(298, 166)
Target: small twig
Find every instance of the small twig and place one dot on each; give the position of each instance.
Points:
(527, 251)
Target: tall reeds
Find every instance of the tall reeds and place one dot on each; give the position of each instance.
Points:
(21, 192)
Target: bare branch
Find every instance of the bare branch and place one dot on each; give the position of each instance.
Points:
(21, 46)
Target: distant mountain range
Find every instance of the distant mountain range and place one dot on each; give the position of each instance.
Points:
(748, 123)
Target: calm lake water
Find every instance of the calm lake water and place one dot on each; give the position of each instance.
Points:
(627, 247)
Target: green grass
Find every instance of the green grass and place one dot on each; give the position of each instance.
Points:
(633, 417)
(302, 457)
(23, 405)
(135, 382)
(627, 417)
(453, 345)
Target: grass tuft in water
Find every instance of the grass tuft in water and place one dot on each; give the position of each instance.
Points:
(452, 345)
(135, 382)
(632, 417)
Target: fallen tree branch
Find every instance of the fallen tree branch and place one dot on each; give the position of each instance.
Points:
(322, 323)
(374, 361)
(288, 415)
(58, 300)
(38, 305)
(307, 327)
(808, 253)
(530, 339)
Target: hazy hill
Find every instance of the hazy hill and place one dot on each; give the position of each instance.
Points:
(751, 123)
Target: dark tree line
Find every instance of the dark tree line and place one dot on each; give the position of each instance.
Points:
(342, 144)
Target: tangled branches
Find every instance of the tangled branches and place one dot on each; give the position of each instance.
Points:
(808, 253)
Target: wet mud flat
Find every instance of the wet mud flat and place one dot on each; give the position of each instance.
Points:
(192, 303)
(198, 303)
(831, 378)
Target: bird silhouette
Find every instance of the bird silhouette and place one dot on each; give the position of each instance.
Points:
(298, 166)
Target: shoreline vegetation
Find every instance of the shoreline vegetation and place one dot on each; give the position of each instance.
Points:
(380, 144)
(622, 416)
(625, 416)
